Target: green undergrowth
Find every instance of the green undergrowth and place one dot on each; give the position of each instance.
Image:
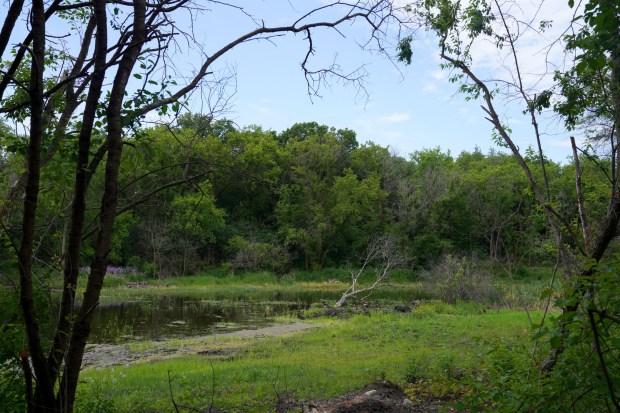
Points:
(438, 350)
(517, 292)
(263, 286)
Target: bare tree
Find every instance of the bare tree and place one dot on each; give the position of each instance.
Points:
(94, 98)
(382, 255)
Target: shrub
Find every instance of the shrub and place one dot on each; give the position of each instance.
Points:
(253, 255)
(457, 278)
(11, 342)
(585, 340)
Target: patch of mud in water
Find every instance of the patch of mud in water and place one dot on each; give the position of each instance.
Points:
(103, 355)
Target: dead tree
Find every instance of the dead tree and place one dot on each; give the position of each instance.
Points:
(382, 256)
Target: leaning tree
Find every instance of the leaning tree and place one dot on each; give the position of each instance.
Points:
(509, 56)
(81, 77)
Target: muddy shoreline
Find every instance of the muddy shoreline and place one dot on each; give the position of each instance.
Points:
(104, 355)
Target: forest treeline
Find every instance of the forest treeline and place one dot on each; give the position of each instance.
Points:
(205, 193)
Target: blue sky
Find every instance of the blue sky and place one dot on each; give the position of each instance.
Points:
(408, 108)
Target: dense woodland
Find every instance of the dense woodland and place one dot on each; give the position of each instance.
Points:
(203, 194)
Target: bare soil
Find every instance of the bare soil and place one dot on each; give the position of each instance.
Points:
(377, 397)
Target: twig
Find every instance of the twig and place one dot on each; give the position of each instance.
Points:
(174, 403)
(599, 352)
(176, 408)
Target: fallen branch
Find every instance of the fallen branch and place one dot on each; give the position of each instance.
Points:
(385, 254)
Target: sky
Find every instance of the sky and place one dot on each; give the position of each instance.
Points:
(407, 108)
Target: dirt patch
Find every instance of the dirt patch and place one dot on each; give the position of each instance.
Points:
(103, 355)
(377, 397)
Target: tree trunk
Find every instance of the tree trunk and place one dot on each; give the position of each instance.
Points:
(78, 211)
(31, 324)
(81, 328)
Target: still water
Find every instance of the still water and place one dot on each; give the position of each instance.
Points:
(157, 317)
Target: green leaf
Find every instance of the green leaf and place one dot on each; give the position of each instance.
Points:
(566, 302)
(137, 76)
(555, 342)
(404, 50)
(546, 293)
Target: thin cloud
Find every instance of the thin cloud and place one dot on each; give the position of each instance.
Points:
(395, 118)
(259, 109)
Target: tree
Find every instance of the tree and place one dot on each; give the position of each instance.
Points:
(324, 209)
(194, 222)
(423, 201)
(499, 208)
(588, 89)
(73, 98)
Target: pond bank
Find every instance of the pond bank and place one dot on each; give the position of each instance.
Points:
(223, 344)
(435, 352)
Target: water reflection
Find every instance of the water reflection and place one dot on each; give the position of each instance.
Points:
(172, 316)
(156, 317)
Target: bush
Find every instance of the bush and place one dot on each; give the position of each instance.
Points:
(253, 255)
(11, 342)
(12, 346)
(585, 341)
(460, 279)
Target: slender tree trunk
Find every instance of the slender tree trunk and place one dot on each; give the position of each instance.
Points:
(81, 328)
(78, 211)
(31, 324)
(9, 23)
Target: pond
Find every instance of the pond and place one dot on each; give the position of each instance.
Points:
(158, 316)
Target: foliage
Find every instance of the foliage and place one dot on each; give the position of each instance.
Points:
(198, 192)
(252, 255)
(11, 338)
(587, 96)
(582, 380)
(82, 102)
(460, 278)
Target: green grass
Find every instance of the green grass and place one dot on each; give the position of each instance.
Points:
(264, 286)
(437, 343)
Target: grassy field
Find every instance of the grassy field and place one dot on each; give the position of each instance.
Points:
(437, 350)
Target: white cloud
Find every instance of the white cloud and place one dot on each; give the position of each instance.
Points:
(565, 142)
(395, 118)
(439, 74)
(538, 53)
(429, 87)
(259, 109)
